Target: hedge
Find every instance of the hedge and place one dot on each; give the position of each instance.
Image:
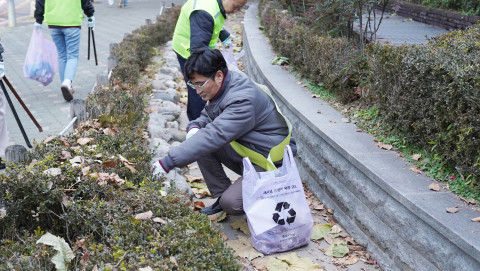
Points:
(90, 186)
(428, 93)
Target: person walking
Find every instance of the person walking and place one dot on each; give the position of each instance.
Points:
(64, 19)
(237, 110)
(3, 118)
(200, 24)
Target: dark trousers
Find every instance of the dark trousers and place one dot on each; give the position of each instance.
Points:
(218, 182)
(195, 103)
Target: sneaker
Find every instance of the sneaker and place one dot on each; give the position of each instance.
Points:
(213, 209)
(67, 90)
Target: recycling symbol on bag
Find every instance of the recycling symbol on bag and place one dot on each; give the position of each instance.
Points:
(283, 213)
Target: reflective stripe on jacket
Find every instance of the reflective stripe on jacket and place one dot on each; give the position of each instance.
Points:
(181, 36)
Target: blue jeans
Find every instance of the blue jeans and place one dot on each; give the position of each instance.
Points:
(67, 41)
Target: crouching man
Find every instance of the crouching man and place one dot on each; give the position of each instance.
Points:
(239, 120)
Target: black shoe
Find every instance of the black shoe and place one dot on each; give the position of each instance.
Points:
(213, 209)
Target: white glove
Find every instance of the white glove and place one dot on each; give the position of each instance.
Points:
(2, 70)
(91, 22)
(191, 132)
(158, 170)
(228, 41)
(37, 25)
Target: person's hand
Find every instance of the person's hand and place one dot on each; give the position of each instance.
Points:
(2, 70)
(158, 170)
(91, 22)
(191, 132)
(37, 25)
(228, 41)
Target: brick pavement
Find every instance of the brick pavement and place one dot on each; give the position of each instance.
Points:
(47, 103)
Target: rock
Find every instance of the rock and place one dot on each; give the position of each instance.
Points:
(157, 119)
(168, 71)
(160, 147)
(169, 107)
(162, 76)
(177, 135)
(172, 124)
(166, 97)
(180, 183)
(158, 84)
(171, 84)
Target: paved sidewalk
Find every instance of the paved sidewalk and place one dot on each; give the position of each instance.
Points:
(47, 103)
(399, 30)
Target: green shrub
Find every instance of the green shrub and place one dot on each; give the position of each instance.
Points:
(134, 52)
(333, 63)
(431, 93)
(94, 214)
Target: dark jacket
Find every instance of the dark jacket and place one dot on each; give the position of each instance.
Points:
(241, 112)
(87, 7)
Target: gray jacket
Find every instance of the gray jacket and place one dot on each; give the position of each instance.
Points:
(240, 111)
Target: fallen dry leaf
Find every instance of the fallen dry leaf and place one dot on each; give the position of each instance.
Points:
(358, 130)
(351, 260)
(144, 216)
(218, 216)
(127, 164)
(49, 139)
(292, 262)
(53, 171)
(109, 163)
(476, 219)
(336, 229)
(243, 248)
(384, 146)
(109, 131)
(65, 155)
(65, 200)
(471, 201)
(417, 156)
(452, 210)
(242, 225)
(434, 187)
(346, 120)
(65, 142)
(319, 112)
(173, 260)
(84, 140)
(192, 179)
(159, 220)
(260, 264)
(416, 170)
(198, 205)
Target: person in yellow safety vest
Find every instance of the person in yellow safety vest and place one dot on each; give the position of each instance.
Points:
(64, 19)
(239, 120)
(200, 24)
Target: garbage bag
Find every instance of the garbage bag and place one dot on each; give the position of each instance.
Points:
(274, 202)
(41, 61)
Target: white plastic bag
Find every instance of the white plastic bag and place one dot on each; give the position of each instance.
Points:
(231, 59)
(277, 212)
(41, 61)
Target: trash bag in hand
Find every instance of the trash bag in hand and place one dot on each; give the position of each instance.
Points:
(41, 61)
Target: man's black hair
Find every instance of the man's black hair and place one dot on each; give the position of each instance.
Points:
(205, 62)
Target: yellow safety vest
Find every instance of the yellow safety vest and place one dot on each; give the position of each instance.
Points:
(276, 153)
(181, 36)
(63, 12)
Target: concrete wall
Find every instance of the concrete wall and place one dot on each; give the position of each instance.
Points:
(374, 194)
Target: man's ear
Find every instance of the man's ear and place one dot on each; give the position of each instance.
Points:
(219, 75)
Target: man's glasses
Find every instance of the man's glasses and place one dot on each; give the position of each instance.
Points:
(199, 87)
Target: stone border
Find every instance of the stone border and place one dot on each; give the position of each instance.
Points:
(374, 194)
(446, 19)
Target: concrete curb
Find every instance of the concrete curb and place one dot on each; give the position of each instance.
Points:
(375, 196)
